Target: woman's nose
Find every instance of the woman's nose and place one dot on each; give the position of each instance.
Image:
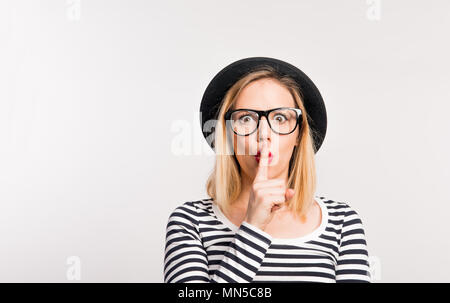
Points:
(263, 129)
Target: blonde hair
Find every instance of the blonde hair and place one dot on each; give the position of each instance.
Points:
(224, 182)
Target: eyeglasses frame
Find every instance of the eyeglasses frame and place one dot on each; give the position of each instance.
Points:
(265, 113)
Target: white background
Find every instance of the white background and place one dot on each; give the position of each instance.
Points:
(92, 95)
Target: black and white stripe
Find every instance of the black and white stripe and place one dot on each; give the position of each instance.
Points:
(202, 245)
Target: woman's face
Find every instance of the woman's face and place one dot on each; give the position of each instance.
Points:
(265, 94)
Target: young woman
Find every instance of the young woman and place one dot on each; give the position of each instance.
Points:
(263, 221)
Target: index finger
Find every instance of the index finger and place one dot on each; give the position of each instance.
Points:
(262, 173)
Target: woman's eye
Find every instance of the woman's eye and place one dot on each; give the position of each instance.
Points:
(280, 118)
(245, 119)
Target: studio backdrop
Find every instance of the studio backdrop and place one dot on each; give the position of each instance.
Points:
(100, 137)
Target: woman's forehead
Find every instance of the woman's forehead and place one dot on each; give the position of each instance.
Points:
(263, 95)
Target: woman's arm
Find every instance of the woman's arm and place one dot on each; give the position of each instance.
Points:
(352, 262)
(185, 258)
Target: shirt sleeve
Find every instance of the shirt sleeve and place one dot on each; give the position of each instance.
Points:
(353, 259)
(185, 258)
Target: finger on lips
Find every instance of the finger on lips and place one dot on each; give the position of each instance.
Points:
(262, 172)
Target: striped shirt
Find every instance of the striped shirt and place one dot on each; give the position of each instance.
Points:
(202, 245)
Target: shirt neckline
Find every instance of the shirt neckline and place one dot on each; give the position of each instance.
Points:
(314, 234)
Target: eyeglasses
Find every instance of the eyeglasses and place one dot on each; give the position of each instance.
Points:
(282, 120)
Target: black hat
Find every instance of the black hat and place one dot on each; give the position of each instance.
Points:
(219, 85)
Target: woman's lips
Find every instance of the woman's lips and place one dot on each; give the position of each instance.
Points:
(258, 156)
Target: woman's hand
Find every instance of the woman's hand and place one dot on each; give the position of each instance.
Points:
(267, 195)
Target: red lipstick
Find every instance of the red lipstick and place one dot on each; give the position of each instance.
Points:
(258, 156)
